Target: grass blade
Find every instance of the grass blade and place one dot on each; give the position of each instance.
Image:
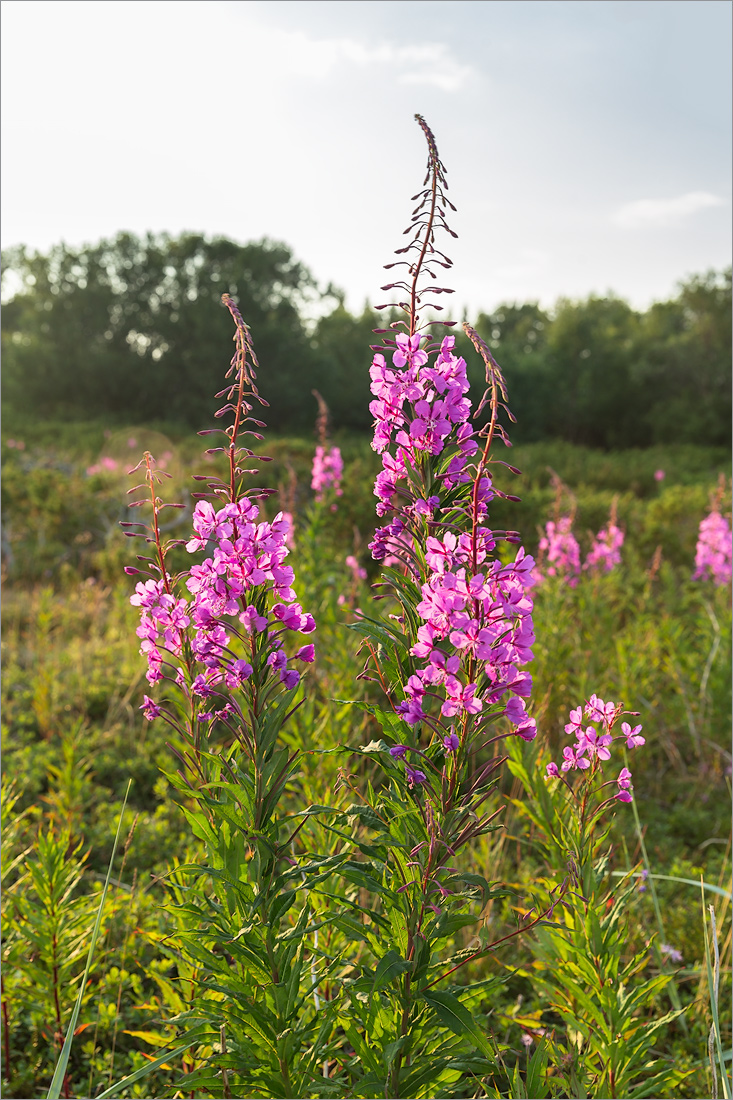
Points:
(713, 972)
(57, 1081)
(674, 878)
(145, 1070)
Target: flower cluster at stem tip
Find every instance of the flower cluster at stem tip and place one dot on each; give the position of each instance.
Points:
(714, 549)
(475, 633)
(562, 551)
(605, 554)
(242, 590)
(247, 559)
(592, 747)
(328, 468)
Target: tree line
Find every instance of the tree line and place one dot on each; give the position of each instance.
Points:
(131, 329)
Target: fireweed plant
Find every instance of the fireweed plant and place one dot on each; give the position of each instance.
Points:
(224, 646)
(328, 944)
(450, 658)
(714, 551)
(605, 553)
(328, 465)
(604, 998)
(559, 551)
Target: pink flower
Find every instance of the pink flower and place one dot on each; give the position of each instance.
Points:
(575, 725)
(605, 551)
(460, 698)
(408, 352)
(551, 769)
(236, 673)
(659, 475)
(328, 468)
(598, 711)
(632, 735)
(515, 711)
(244, 554)
(714, 550)
(411, 711)
(358, 572)
(252, 620)
(563, 552)
(466, 617)
(147, 594)
(528, 731)
(594, 744)
(574, 758)
(150, 708)
(624, 782)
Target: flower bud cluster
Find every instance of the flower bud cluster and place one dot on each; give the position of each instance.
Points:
(327, 471)
(713, 552)
(593, 742)
(475, 614)
(245, 563)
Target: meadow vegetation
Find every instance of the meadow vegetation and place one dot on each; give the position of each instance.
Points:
(611, 989)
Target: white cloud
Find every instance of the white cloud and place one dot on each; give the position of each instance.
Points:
(664, 212)
(430, 63)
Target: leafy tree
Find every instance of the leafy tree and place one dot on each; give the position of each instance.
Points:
(598, 373)
(518, 335)
(124, 329)
(126, 326)
(590, 347)
(341, 341)
(682, 369)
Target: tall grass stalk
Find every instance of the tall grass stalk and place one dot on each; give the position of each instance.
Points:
(712, 964)
(59, 1075)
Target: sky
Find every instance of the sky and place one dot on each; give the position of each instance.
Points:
(587, 142)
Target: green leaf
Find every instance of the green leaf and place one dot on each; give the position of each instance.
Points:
(536, 1080)
(456, 1016)
(358, 874)
(366, 816)
(389, 967)
(449, 923)
(281, 905)
(392, 1049)
(373, 746)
